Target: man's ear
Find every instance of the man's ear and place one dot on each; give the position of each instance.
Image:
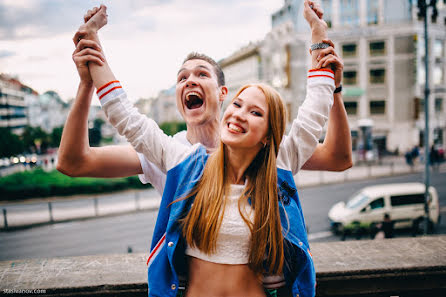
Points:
(223, 93)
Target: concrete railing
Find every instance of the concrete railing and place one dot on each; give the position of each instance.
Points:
(392, 267)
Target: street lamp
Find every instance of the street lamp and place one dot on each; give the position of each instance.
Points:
(422, 14)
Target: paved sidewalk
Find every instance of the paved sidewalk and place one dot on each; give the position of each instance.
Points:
(61, 209)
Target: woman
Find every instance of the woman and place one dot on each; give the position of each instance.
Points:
(228, 217)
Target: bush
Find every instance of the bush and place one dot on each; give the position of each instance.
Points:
(38, 183)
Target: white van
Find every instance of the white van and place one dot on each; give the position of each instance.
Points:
(403, 202)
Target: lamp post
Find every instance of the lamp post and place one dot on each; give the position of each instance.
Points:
(422, 14)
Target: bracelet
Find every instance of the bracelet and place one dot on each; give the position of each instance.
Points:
(338, 89)
(320, 45)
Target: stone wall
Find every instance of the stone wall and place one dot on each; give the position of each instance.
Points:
(392, 267)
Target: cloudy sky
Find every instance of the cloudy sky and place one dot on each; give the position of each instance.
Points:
(144, 41)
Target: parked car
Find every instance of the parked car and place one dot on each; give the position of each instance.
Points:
(404, 203)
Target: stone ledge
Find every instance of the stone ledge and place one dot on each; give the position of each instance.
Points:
(393, 267)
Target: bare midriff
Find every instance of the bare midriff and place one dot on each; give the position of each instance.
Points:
(222, 280)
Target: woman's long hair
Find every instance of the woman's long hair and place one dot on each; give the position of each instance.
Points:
(202, 223)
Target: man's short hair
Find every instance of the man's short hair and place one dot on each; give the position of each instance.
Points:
(217, 68)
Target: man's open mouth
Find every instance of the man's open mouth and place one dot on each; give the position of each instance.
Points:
(193, 100)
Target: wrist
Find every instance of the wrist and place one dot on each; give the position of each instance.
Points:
(318, 33)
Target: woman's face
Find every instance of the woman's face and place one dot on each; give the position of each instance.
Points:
(245, 121)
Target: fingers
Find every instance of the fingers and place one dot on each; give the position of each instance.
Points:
(93, 11)
(318, 10)
(328, 41)
(88, 55)
(85, 43)
(332, 60)
(81, 33)
(326, 51)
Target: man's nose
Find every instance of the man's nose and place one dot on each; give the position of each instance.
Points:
(191, 81)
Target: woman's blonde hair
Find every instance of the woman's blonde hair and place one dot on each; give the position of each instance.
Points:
(201, 225)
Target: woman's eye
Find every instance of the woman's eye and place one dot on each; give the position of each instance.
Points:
(181, 78)
(256, 113)
(236, 104)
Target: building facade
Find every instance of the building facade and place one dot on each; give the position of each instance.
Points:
(13, 108)
(382, 45)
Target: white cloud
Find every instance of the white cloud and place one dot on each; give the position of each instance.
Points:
(144, 41)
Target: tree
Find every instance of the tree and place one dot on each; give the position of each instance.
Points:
(10, 144)
(55, 136)
(95, 134)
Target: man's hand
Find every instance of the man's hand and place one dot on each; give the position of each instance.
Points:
(87, 51)
(329, 57)
(313, 14)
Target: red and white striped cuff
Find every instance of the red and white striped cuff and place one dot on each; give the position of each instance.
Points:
(109, 91)
(321, 75)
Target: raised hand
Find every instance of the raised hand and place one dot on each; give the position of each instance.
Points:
(95, 19)
(313, 13)
(87, 51)
(328, 57)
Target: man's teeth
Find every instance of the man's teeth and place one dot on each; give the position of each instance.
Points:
(188, 96)
(235, 128)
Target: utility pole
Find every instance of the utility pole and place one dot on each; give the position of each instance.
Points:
(422, 14)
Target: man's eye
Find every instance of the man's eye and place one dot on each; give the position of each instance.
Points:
(181, 78)
(203, 74)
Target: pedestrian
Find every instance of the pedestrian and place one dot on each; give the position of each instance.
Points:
(212, 198)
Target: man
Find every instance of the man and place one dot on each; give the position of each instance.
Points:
(200, 90)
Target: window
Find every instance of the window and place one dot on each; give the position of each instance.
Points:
(376, 204)
(377, 48)
(378, 107)
(349, 50)
(326, 5)
(407, 199)
(438, 75)
(377, 76)
(438, 48)
(349, 15)
(372, 12)
(351, 107)
(349, 77)
(438, 105)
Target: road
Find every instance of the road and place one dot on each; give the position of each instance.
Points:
(112, 235)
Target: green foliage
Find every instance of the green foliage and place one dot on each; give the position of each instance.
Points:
(95, 134)
(38, 183)
(10, 144)
(55, 136)
(171, 128)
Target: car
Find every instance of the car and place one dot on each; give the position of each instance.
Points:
(404, 203)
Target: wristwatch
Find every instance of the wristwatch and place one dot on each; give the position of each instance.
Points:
(338, 89)
(319, 45)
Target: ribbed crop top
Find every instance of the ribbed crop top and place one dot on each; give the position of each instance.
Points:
(234, 235)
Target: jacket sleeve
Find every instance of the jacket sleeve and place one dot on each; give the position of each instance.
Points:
(140, 131)
(298, 146)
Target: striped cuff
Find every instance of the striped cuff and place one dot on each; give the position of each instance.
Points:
(321, 76)
(109, 91)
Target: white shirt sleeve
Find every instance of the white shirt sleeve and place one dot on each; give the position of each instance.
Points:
(141, 132)
(152, 174)
(307, 128)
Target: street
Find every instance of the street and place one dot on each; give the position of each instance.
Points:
(118, 234)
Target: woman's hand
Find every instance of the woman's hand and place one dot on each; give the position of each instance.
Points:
(87, 51)
(329, 57)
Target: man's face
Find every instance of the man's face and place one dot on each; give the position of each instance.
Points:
(197, 93)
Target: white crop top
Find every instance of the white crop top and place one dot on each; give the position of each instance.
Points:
(234, 235)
